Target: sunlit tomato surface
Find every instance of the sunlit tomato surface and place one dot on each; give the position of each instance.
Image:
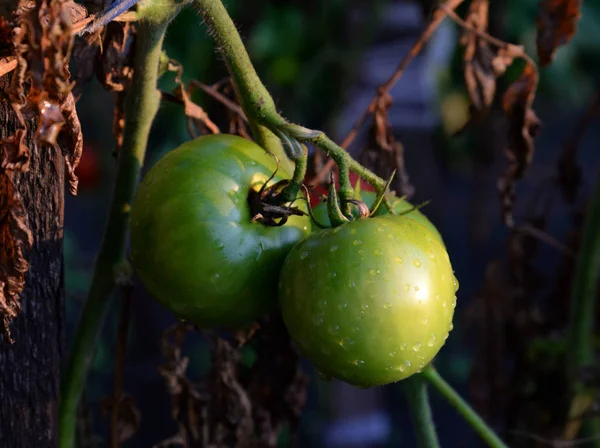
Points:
(400, 206)
(192, 240)
(369, 302)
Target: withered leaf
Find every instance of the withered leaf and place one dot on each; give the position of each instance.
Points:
(556, 25)
(129, 416)
(192, 110)
(14, 154)
(15, 238)
(482, 64)
(523, 126)
(73, 147)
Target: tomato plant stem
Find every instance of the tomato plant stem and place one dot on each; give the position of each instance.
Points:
(469, 414)
(420, 411)
(584, 293)
(259, 105)
(141, 105)
(290, 192)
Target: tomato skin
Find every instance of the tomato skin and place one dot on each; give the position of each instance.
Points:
(398, 204)
(370, 302)
(192, 240)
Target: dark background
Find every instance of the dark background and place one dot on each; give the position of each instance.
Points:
(321, 61)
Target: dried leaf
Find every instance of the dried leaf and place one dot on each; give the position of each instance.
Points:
(523, 126)
(192, 110)
(113, 69)
(129, 416)
(73, 147)
(15, 238)
(383, 154)
(556, 25)
(14, 154)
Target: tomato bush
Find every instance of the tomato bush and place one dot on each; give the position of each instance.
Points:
(400, 206)
(369, 302)
(193, 243)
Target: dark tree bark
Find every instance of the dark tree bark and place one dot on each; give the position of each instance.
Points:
(30, 368)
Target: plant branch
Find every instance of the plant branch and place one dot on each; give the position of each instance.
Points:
(142, 103)
(469, 414)
(256, 101)
(420, 411)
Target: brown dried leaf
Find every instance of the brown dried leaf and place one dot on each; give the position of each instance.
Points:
(480, 78)
(383, 154)
(523, 126)
(556, 25)
(192, 110)
(129, 416)
(72, 133)
(113, 69)
(15, 154)
(15, 238)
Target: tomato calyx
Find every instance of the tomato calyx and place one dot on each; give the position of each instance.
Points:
(267, 206)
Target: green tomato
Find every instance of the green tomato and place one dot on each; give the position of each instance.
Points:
(400, 206)
(369, 302)
(193, 243)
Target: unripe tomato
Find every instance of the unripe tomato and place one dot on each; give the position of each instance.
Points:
(400, 206)
(193, 243)
(369, 302)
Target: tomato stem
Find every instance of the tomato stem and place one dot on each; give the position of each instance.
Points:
(584, 293)
(420, 411)
(290, 191)
(259, 105)
(336, 217)
(142, 103)
(469, 414)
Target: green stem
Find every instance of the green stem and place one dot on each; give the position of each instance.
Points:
(290, 192)
(420, 411)
(336, 217)
(141, 105)
(270, 142)
(584, 293)
(256, 100)
(469, 414)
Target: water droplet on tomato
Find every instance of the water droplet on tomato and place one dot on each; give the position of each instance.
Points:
(406, 287)
(318, 319)
(431, 254)
(357, 242)
(455, 283)
(401, 368)
(312, 266)
(352, 231)
(373, 271)
(451, 327)
(417, 263)
(333, 329)
(380, 229)
(378, 252)
(416, 288)
(398, 260)
(402, 347)
(387, 306)
(342, 306)
(332, 274)
(303, 255)
(392, 354)
(407, 363)
(417, 347)
(364, 307)
(333, 248)
(431, 342)
(454, 302)
(358, 362)
(444, 304)
(426, 321)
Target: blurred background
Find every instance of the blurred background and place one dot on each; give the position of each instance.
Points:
(322, 61)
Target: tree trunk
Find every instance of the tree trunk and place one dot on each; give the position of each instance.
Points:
(30, 368)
